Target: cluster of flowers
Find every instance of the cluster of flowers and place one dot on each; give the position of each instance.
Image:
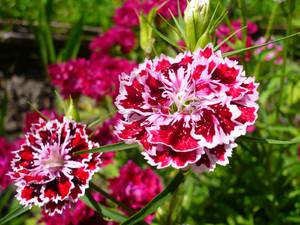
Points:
(270, 52)
(98, 76)
(187, 111)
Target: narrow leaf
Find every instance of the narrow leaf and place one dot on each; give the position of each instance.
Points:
(230, 36)
(73, 43)
(109, 148)
(107, 212)
(12, 215)
(239, 51)
(111, 198)
(93, 202)
(157, 201)
(271, 141)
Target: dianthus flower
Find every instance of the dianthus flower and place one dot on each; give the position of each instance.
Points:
(34, 117)
(122, 36)
(94, 78)
(186, 110)
(45, 169)
(223, 31)
(135, 187)
(5, 157)
(69, 76)
(270, 52)
(127, 14)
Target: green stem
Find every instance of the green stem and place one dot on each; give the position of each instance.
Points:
(285, 54)
(157, 201)
(111, 198)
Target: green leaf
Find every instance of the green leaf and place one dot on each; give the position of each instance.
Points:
(230, 36)
(111, 198)
(271, 141)
(93, 202)
(239, 51)
(107, 212)
(109, 148)
(157, 201)
(12, 215)
(71, 112)
(73, 43)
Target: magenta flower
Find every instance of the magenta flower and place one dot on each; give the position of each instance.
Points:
(127, 15)
(186, 110)
(135, 187)
(122, 36)
(5, 157)
(270, 52)
(45, 170)
(223, 31)
(94, 78)
(79, 214)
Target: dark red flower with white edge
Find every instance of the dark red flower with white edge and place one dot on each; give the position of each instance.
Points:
(186, 110)
(45, 169)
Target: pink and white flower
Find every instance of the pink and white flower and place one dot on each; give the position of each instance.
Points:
(45, 169)
(187, 110)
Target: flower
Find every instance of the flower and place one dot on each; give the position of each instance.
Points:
(79, 214)
(186, 110)
(135, 187)
(5, 157)
(94, 78)
(127, 14)
(69, 76)
(223, 31)
(45, 169)
(270, 52)
(118, 35)
(33, 117)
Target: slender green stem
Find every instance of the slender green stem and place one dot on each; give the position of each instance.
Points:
(157, 201)
(285, 55)
(111, 198)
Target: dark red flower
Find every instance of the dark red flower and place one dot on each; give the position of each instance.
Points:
(45, 169)
(186, 110)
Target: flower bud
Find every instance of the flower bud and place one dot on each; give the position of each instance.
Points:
(195, 19)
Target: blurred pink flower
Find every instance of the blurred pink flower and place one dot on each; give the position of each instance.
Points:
(94, 78)
(251, 128)
(127, 14)
(6, 155)
(223, 31)
(135, 187)
(118, 35)
(79, 214)
(270, 52)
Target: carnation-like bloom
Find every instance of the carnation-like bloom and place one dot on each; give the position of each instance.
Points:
(135, 187)
(187, 110)
(45, 169)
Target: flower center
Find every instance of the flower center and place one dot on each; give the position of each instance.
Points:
(53, 161)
